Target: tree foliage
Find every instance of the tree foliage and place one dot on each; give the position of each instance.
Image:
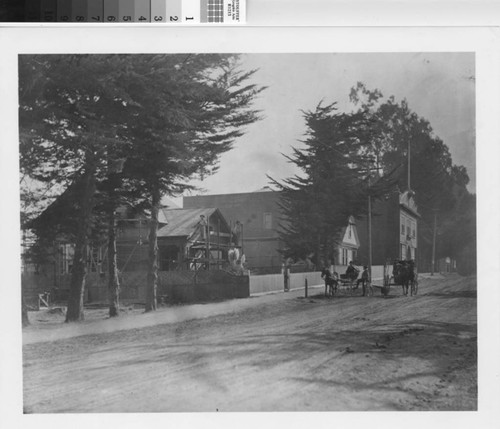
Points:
(439, 185)
(332, 186)
(165, 117)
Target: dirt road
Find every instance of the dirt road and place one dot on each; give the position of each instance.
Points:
(280, 353)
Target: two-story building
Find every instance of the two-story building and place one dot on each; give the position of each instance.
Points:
(394, 230)
(254, 219)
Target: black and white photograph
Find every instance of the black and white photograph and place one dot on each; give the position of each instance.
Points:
(252, 230)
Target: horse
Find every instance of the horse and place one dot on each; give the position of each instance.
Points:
(404, 274)
(331, 282)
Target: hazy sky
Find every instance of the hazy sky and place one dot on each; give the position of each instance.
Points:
(438, 87)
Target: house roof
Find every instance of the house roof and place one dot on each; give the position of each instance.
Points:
(407, 201)
(353, 241)
(183, 222)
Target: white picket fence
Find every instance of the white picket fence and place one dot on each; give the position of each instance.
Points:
(273, 283)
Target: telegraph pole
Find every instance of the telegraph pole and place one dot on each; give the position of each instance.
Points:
(409, 149)
(369, 230)
(434, 243)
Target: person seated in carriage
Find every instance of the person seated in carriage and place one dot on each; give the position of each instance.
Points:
(351, 272)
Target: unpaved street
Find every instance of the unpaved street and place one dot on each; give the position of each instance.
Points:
(276, 353)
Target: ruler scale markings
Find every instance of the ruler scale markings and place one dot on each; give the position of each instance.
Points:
(48, 10)
(216, 11)
(79, 10)
(203, 11)
(32, 10)
(156, 11)
(173, 11)
(95, 10)
(111, 11)
(126, 10)
(191, 11)
(159, 11)
(63, 10)
(142, 11)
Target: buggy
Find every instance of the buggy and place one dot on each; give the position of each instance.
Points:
(404, 274)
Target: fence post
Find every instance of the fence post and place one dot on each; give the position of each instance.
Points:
(306, 287)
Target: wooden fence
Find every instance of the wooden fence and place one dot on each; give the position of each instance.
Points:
(176, 286)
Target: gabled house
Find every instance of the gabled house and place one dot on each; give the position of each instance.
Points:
(253, 218)
(188, 240)
(192, 238)
(349, 244)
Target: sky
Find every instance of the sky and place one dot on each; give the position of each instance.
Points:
(439, 87)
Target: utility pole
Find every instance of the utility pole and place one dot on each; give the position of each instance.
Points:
(369, 230)
(409, 149)
(434, 243)
(208, 242)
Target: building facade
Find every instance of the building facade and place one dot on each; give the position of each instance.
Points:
(394, 230)
(255, 217)
(349, 245)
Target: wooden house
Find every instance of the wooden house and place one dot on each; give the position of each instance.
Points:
(253, 218)
(349, 244)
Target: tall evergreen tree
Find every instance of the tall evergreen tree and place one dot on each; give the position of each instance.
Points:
(438, 184)
(70, 124)
(166, 117)
(192, 108)
(331, 187)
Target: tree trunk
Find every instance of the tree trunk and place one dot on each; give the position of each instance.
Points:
(79, 272)
(113, 281)
(152, 281)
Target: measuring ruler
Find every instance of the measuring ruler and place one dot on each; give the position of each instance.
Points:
(173, 12)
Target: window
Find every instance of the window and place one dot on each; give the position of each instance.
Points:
(65, 258)
(268, 220)
(402, 226)
(413, 229)
(345, 256)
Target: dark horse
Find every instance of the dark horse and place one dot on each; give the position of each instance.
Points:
(404, 274)
(331, 282)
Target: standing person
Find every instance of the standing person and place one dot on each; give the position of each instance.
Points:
(365, 278)
(286, 276)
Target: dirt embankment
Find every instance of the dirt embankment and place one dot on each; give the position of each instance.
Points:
(276, 353)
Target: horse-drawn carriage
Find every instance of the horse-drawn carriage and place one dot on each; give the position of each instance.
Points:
(345, 283)
(404, 274)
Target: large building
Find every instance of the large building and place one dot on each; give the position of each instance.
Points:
(394, 230)
(255, 217)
